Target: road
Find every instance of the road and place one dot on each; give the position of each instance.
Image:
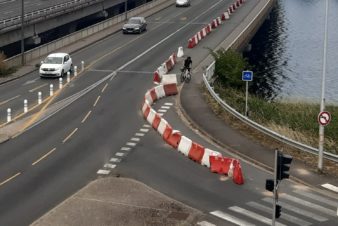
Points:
(55, 158)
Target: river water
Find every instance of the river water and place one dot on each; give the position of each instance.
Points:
(287, 52)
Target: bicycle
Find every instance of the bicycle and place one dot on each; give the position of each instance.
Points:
(185, 75)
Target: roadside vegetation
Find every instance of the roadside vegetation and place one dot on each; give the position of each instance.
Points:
(297, 121)
(4, 70)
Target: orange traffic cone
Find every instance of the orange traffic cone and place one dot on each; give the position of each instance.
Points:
(238, 176)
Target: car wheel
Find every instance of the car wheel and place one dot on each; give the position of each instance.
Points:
(71, 69)
(62, 73)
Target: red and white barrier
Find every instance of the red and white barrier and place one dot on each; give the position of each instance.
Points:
(159, 90)
(206, 157)
(174, 138)
(151, 116)
(162, 126)
(184, 145)
(196, 152)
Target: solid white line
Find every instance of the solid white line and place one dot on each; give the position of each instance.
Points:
(119, 154)
(308, 204)
(298, 210)
(110, 166)
(330, 187)
(230, 218)
(97, 70)
(103, 172)
(205, 223)
(125, 149)
(115, 160)
(253, 215)
(146, 125)
(144, 130)
(137, 72)
(165, 107)
(169, 104)
(284, 216)
(162, 110)
(139, 134)
(131, 144)
(317, 198)
(136, 139)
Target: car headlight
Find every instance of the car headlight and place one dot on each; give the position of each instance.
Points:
(137, 28)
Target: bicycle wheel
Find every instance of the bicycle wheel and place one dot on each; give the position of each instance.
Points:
(188, 77)
(182, 76)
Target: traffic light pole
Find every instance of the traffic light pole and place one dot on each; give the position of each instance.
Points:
(275, 190)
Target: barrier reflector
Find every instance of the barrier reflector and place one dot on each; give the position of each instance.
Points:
(157, 78)
(237, 174)
(146, 109)
(207, 153)
(216, 164)
(170, 89)
(162, 126)
(159, 91)
(156, 121)
(184, 145)
(196, 152)
(167, 132)
(174, 138)
(151, 116)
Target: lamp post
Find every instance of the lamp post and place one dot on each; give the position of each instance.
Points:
(22, 33)
(322, 102)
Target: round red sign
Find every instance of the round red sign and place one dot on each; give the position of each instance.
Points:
(324, 118)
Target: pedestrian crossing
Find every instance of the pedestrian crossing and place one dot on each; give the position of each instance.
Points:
(301, 208)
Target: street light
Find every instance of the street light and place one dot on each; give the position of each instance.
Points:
(22, 34)
(322, 102)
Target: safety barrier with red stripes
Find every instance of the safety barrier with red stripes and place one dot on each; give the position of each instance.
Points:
(164, 68)
(193, 41)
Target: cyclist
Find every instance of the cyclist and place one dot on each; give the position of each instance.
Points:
(187, 63)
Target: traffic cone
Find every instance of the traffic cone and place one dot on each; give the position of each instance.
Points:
(238, 176)
(157, 78)
(180, 52)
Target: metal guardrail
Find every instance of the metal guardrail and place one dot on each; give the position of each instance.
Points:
(207, 76)
(55, 9)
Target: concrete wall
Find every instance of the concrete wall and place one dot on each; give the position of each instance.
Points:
(100, 31)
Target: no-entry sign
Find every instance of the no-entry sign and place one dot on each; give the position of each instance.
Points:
(324, 118)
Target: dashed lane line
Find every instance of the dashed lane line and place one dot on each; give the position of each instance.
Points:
(120, 154)
(146, 126)
(139, 134)
(110, 166)
(44, 156)
(104, 88)
(160, 114)
(70, 135)
(131, 144)
(168, 104)
(125, 149)
(136, 139)
(9, 179)
(86, 116)
(6, 101)
(97, 100)
(103, 172)
(165, 107)
(39, 87)
(162, 110)
(144, 130)
(115, 160)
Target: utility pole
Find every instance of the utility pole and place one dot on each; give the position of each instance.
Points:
(322, 102)
(22, 33)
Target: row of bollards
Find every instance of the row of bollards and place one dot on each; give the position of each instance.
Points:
(51, 93)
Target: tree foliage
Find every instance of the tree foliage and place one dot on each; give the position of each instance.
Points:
(228, 68)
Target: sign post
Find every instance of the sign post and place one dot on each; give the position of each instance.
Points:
(247, 76)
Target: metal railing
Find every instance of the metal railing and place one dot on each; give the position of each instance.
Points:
(207, 76)
(49, 11)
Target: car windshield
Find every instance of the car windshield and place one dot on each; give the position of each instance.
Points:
(134, 21)
(53, 60)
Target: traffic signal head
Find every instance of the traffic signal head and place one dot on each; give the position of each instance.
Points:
(278, 211)
(269, 185)
(283, 166)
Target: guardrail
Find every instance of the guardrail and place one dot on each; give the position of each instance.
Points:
(207, 76)
(49, 11)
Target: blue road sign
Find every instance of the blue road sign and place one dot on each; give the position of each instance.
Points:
(247, 76)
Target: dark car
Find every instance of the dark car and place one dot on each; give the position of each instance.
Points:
(135, 25)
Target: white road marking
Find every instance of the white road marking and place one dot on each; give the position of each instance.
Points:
(115, 160)
(144, 130)
(169, 104)
(253, 215)
(97, 70)
(162, 110)
(308, 204)
(137, 72)
(165, 107)
(160, 114)
(230, 218)
(284, 216)
(146, 125)
(317, 198)
(298, 210)
(131, 144)
(103, 172)
(111, 166)
(330, 187)
(205, 223)
(136, 139)
(120, 154)
(139, 134)
(125, 149)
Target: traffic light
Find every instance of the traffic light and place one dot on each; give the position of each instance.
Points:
(269, 185)
(278, 211)
(283, 166)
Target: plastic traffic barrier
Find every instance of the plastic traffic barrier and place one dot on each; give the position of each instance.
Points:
(216, 164)
(196, 152)
(146, 109)
(184, 145)
(167, 132)
(159, 91)
(151, 116)
(157, 77)
(207, 153)
(162, 126)
(174, 138)
(170, 89)
(156, 121)
(237, 173)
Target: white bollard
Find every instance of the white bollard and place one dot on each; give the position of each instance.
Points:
(9, 115)
(39, 97)
(51, 91)
(60, 83)
(75, 70)
(82, 65)
(25, 105)
(68, 76)
(180, 52)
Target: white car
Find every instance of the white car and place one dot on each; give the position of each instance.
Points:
(182, 3)
(56, 65)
